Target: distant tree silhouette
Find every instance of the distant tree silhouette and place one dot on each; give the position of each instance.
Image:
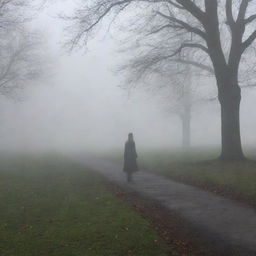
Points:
(148, 66)
(21, 50)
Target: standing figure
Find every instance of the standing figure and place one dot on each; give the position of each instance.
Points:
(130, 158)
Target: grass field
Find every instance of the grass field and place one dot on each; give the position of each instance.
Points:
(199, 167)
(50, 206)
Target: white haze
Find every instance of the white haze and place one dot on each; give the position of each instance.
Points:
(83, 108)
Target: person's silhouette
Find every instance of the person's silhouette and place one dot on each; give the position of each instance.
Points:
(130, 158)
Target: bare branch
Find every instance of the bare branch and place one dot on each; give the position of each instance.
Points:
(242, 11)
(163, 28)
(119, 3)
(176, 5)
(249, 41)
(250, 19)
(190, 45)
(185, 25)
(229, 13)
(192, 8)
(195, 64)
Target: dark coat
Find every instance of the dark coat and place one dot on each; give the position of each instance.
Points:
(130, 157)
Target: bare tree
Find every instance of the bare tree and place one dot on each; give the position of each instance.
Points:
(172, 82)
(149, 57)
(14, 12)
(206, 22)
(180, 97)
(22, 60)
(21, 51)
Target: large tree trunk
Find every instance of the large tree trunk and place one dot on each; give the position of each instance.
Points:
(186, 111)
(186, 133)
(230, 98)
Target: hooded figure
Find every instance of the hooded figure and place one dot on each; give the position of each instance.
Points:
(130, 157)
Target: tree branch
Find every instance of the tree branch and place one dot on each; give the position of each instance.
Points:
(164, 27)
(119, 3)
(185, 25)
(249, 41)
(250, 19)
(229, 13)
(195, 64)
(242, 10)
(191, 45)
(192, 8)
(176, 5)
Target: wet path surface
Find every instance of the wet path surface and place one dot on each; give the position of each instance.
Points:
(229, 221)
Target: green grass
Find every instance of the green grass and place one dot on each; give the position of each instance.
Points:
(198, 167)
(51, 207)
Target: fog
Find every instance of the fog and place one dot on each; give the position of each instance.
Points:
(138, 114)
(82, 107)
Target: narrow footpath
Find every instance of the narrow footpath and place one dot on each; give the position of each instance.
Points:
(223, 220)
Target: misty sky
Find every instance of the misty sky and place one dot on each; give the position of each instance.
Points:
(83, 107)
